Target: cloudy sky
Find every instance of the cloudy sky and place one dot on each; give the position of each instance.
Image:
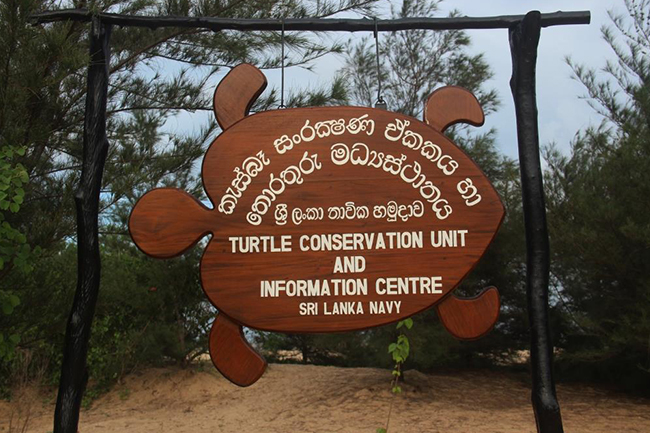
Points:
(561, 112)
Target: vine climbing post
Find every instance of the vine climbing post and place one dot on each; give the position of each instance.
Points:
(524, 39)
(74, 375)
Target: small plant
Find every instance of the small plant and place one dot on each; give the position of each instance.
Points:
(124, 394)
(8, 343)
(15, 252)
(399, 350)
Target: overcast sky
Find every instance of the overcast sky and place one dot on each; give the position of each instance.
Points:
(561, 112)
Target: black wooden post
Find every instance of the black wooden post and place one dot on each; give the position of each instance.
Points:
(74, 375)
(524, 38)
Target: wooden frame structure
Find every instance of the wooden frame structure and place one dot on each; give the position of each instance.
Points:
(524, 33)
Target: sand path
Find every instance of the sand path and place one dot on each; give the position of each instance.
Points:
(303, 398)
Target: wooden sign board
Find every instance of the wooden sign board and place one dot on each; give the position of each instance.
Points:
(329, 219)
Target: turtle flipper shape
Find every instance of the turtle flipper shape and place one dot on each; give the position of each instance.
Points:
(236, 93)
(231, 353)
(450, 105)
(470, 318)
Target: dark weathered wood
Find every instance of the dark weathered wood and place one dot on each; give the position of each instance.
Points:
(470, 319)
(450, 105)
(313, 24)
(74, 374)
(524, 39)
(231, 353)
(245, 81)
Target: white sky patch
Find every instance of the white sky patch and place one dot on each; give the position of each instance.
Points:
(561, 111)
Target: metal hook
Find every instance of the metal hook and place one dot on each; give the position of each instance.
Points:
(282, 80)
(380, 103)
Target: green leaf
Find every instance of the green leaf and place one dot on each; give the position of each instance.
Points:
(399, 324)
(381, 430)
(392, 347)
(409, 323)
(14, 207)
(14, 300)
(7, 308)
(14, 339)
(21, 151)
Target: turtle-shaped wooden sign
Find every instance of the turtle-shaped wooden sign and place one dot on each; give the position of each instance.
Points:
(329, 219)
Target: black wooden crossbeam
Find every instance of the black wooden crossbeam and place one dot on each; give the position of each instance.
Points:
(311, 24)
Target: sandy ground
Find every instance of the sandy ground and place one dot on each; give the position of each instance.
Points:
(303, 398)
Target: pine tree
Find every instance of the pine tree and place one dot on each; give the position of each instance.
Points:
(154, 76)
(157, 77)
(598, 214)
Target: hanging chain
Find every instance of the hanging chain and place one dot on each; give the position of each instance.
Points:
(380, 100)
(282, 84)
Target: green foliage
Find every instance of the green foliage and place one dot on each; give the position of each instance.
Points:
(598, 216)
(414, 63)
(15, 252)
(399, 351)
(155, 75)
(149, 312)
(8, 343)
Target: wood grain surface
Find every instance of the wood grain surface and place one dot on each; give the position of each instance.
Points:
(253, 155)
(236, 93)
(232, 355)
(469, 319)
(450, 105)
